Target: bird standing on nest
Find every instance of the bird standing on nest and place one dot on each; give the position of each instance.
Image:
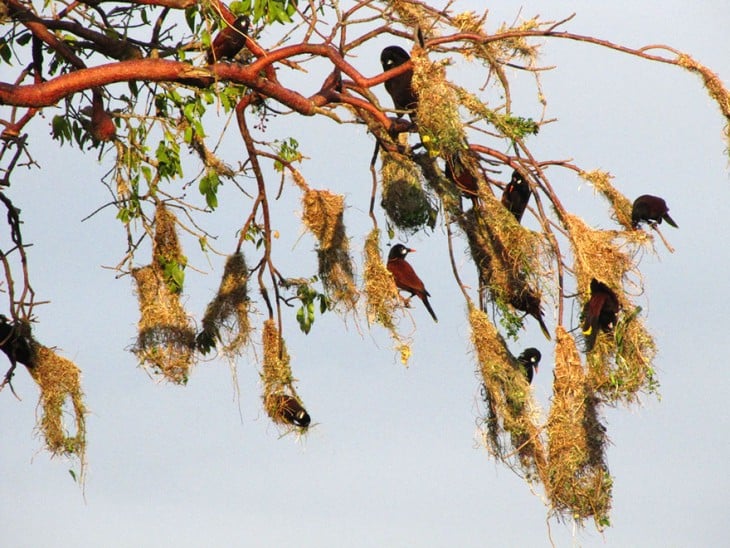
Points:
(406, 278)
(650, 209)
(399, 88)
(599, 313)
(530, 358)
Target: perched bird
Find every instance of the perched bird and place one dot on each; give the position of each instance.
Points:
(399, 88)
(516, 195)
(599, 313)
(406, 278)
(650, 208)
(230, 40)
(530, 359)
(291, 411)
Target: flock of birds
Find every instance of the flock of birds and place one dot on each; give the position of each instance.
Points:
(601, 310)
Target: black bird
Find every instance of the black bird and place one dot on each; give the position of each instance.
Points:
(399, 88)
(516, 195)
(650, 209)
(406, 278)
(530, 359)
(599, 313)
(15, 343)
(290, 410)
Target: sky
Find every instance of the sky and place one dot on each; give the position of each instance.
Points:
(393, 459)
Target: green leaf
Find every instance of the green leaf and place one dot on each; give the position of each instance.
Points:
(208, 187)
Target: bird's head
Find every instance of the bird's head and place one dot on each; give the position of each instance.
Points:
(531, 356)
(393, 56)
(399, 251)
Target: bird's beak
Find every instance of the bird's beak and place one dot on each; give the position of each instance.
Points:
(411, 251)
(535, 367)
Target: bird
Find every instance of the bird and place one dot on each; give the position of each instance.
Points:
(15, 342)
(530, 358)
(650, 208)
(406, 278)
(460, 174)
(290, 410)
(516, 195)
(399, 88)
(230, 40)
(599, 313)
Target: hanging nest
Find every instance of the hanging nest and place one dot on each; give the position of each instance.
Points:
(578, 482)
(407, 204)
(511, 260)
(166, 250)
(512, 421)
(439, 123)
(229, 310)
(381, 293)
(323, 212)
(619, 365)
(280, 397)
(59, 380)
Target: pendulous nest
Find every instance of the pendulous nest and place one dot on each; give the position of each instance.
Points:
(323, 216)
(512, 422)
(229, 310)
(277, 375)
(577, 482)
(59, 380)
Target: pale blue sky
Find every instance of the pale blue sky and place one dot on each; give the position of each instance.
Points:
(393, 460)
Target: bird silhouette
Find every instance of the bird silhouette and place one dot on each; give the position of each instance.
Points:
(406, 278)
(599, 313)
(650, 209)
(516, 195)
(399, 88)
(530, 358)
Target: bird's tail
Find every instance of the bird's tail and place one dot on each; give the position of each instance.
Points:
(667, 218)
(544, 328)
(430, 310)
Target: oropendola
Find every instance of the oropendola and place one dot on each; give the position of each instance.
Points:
(406, 278)
(516, 195)
(650, 209)
(530, 358)
(291, 411)
(599, 313)
(399, 88)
